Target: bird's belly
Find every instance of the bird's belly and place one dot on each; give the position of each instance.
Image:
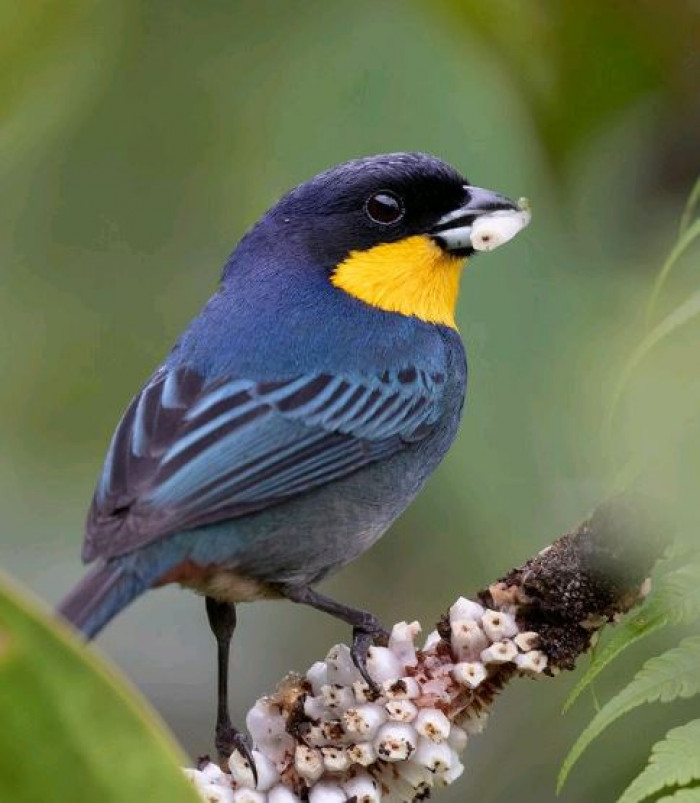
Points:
(308, 537)
(231, 585)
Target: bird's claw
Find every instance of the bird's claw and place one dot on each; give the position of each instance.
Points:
(364, 637)
(229, 740)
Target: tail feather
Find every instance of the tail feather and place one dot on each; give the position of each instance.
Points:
(99, 596)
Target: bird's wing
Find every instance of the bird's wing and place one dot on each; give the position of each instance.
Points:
(187, 453)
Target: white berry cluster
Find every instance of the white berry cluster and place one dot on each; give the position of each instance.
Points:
(329, 738)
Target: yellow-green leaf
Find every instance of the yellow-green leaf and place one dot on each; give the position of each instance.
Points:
(72, 730)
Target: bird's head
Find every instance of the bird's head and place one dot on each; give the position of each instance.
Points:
(393, 230)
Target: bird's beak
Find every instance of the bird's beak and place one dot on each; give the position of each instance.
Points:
(484, 222)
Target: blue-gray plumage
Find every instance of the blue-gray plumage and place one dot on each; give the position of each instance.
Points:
(295, 418)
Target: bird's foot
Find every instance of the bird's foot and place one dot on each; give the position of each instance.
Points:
(365, 634)
(229, 740)
(366, 628)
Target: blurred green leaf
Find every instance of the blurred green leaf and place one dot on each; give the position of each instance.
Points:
(71, 728)
(674, 761)
(582, 62)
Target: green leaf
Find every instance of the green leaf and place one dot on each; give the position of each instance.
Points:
(662, 679)
(686, 238)
(674, 761)
(681, 315)
(682, 796)
(675, 600)
(72, 730)
(545, 47)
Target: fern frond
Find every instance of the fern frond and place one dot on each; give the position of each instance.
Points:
(674, 761)
(675, 600)
(688, 235)
(639, 625)
(683, 796)
(664, 678)
(690, 208)
(681, 594)
(680, 316)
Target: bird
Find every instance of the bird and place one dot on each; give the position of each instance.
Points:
(302, 410)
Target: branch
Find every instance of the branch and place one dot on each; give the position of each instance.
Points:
(327, 737)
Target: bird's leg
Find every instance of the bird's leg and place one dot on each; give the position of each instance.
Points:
(222, 620)
(366, 628)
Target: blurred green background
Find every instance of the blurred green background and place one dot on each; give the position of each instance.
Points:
(140, 139)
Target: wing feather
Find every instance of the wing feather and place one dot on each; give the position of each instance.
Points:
(187, 453)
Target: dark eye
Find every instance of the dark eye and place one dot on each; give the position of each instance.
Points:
(384, 207)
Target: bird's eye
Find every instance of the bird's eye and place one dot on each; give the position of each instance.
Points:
(384, 207)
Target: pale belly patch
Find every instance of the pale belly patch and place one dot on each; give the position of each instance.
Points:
(227, 585)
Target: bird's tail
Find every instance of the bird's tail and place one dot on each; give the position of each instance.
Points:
(99, 596)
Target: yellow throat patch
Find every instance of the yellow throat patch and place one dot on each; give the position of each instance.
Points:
(413, 276)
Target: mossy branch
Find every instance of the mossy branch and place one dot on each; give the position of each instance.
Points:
(328, 737)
